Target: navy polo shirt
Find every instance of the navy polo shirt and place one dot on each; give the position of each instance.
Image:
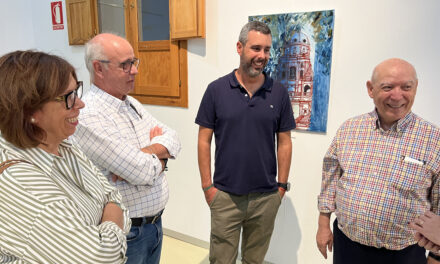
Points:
(245, 132)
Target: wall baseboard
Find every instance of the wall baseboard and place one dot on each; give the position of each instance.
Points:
(186, 238)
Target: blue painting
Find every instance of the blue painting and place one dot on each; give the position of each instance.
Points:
(301, 57)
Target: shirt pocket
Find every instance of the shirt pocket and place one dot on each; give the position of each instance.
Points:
(409, 174)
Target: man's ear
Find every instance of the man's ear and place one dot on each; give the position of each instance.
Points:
(370, 88)
(239, 48)
(98, 68)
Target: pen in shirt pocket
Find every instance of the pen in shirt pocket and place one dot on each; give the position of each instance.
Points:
(414, 161)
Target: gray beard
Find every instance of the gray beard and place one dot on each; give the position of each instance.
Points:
(247, 68)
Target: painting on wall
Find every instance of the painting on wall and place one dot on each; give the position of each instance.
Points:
(301, 57)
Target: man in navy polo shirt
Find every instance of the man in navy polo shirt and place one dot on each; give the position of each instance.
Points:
(248, 113)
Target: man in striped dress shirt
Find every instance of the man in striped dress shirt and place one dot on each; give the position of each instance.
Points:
(381, 171)
(129, 145)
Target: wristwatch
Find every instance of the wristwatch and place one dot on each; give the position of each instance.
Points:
(432, 255)
(285, 186)
(165, 161)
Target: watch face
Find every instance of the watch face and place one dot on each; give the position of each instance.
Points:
(285, 186)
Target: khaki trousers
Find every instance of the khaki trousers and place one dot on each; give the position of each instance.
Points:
(255, 213)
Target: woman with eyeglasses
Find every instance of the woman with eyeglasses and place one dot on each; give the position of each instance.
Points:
(55, 205)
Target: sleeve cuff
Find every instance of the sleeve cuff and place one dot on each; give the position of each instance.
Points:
(169, 146)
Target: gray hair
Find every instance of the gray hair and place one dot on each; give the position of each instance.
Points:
(93, 51)
(255, 26)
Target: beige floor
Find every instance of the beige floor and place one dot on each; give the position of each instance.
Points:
(175, 251)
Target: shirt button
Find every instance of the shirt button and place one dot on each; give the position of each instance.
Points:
(245, 95)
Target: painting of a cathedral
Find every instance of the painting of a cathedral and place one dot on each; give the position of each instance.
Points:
(295, 72)
(301, 62)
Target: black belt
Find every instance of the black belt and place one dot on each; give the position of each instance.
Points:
(138, 221)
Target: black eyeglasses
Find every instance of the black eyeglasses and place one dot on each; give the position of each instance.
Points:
(70, 97)
(126, 65)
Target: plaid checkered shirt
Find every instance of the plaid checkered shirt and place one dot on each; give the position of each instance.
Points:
(112, 132)
(377, 181)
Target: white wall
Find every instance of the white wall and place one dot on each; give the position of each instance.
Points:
(16, 26)
(366, 32)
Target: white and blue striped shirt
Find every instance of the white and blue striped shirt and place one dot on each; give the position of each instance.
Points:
(51, 208)
(112, 132)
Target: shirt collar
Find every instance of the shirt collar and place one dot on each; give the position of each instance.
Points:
(107, 99)
(399, 126)
(113, 104)
(267, 85)
(38, 157)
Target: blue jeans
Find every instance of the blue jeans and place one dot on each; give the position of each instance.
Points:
(144, 243)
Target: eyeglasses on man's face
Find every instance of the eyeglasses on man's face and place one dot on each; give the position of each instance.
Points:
(70, 97)
(126, 65)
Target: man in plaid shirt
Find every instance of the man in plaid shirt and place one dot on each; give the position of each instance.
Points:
(381, 171)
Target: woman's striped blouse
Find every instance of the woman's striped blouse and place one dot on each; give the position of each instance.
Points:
(51, 209)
